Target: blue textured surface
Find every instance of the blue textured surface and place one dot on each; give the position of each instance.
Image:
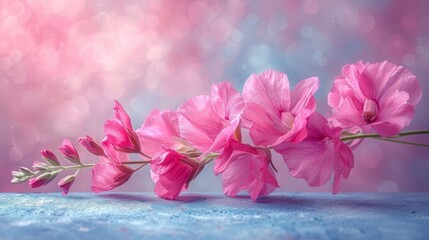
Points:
(213, 216)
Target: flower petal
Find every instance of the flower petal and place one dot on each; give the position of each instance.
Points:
(159, 131)
(170, 173)
(302, 94)
(107, 176)
(269, 89)
(395, 115)
(198, 122)
(246, 168)
(226, 101)
(265, 129)
(122, 116)
(310, 160)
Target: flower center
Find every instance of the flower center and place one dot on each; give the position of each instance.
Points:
(287, 119)
(370, 110)
(183, 147)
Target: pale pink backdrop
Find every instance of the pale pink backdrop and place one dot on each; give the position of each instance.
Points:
(63, 62)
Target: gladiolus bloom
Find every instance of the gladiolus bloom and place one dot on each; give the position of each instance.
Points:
(120, 133)
(275, 114)
(377, 97)
(172, 172)
(209, 122)
(319, 155)
(109, 172)
(246, 168)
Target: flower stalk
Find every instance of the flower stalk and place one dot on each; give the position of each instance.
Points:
(389, 139)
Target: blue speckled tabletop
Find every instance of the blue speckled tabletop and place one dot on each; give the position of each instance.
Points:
(214, 216)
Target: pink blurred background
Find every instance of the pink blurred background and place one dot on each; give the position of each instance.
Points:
(63, 62)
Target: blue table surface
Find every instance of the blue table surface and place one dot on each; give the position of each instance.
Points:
(214, 216)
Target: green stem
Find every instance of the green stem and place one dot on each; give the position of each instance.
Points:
(80, 166)
(371, 135)
(136, 162)
(144, 155)
(77, 171)
(403, 142)
(135, 170)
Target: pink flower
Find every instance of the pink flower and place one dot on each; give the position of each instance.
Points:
(319, 155)
(120, 133)
(273, 113)
(160, 130)
(172, 172)
(377, 97)
(244, 167)
(66, 183)
(109, 172)
(92, 147)
(69, 151)
(209, 122)
(50, 157)
(171, 166)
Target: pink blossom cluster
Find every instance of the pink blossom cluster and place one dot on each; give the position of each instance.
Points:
(366, 98)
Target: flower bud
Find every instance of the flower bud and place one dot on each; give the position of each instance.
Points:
(41, 180)
(16, 174)
(50, 157)
(40, 166)
(26, 171)
(66, 183)
(69, 151)
(18, 177)
(92, 147)
(22, 175)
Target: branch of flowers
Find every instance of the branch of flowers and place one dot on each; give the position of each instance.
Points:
(402, 134)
